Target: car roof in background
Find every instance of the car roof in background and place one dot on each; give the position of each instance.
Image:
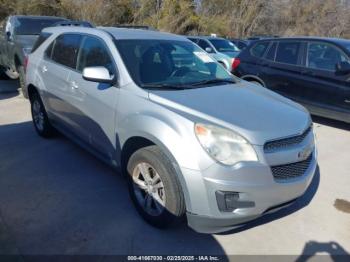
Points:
(39, 17)
(205, 37)
(307, 38)
(117, 33)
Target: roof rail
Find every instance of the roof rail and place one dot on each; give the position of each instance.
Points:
(74, 23)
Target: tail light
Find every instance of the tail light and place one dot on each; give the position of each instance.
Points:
(25, 64)
(235, 63)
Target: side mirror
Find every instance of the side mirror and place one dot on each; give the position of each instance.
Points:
(208, 50)
(98, 74)
(8, 36)
(342, 68)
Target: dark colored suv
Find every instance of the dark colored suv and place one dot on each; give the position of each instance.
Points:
(312, 71)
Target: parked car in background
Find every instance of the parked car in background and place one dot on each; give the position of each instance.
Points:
(240, 43)
(17, 37)
(222, 50)
(312, 71)
(191, 138)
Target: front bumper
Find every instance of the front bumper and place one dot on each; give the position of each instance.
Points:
(253, 182)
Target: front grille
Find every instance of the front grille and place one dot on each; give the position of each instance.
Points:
(290, 171)
(284, 143)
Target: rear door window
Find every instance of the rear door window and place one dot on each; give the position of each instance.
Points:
(65, 50)
(94, 53)
(288, 52)
(324, 56)
(259, 49)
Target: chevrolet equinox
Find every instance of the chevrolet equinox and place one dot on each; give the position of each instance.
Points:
(194, 141)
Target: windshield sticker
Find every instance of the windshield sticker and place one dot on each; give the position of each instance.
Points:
(204, 57)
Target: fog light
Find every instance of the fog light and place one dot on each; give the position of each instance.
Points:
(229, 201)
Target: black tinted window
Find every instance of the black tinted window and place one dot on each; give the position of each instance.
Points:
(271, 53)
(29, 26)
(94, 53)
(41, 39)
(324, 56)
(287, 52)
(242, 45)
(259, 49)
(66, 50)
(203, 44)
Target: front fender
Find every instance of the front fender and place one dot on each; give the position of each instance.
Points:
(177, 141)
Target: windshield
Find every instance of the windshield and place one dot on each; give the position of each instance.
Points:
(169, 62)
(224, 46)
(28, 26)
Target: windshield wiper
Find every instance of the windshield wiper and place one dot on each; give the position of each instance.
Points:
(214, 81)
(165, 86)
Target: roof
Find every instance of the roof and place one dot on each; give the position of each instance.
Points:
(205, 37)
(316, 38)
(39, 17)
(117, 33)
(132, 33)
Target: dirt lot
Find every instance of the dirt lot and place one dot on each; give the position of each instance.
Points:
(55, 198)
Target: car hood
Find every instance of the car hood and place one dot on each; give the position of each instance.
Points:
(26, 41)
(254, 112)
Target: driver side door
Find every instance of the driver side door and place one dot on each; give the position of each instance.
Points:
(95, 102)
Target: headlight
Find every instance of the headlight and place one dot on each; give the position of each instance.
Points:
(225, 146)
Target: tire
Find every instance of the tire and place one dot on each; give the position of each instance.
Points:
(164, 205)
(21, 79)
(40, 120)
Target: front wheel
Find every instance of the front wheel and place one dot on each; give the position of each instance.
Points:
(154, 187)
(39, 116)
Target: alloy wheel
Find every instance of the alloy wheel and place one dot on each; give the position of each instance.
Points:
(38, 115)
(149, 189)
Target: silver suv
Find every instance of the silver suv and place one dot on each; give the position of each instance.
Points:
(192, 140)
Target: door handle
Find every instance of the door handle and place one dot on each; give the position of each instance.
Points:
(74, 85)
(347, 101)
(44, 69)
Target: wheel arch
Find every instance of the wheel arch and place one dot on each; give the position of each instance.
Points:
(224, 63)
(250, 78)
(31, 90)
(138, 141)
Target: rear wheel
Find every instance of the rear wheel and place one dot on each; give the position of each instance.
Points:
(154, 187)
(39, 116)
